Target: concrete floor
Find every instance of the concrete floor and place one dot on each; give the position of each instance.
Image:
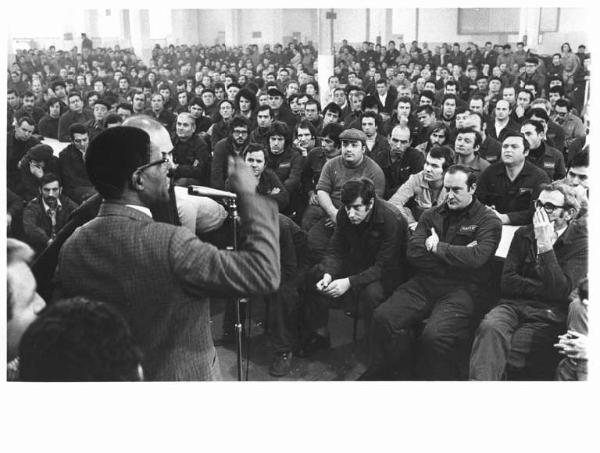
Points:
(344, 361)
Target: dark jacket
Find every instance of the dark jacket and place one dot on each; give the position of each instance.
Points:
(15, 150)
(285, 115)
(261, 136)
(453, 259)
(513, 198)
(490, 149)
(218, 169)
(410, 163)
(75, 181)
(545, 279)
(193, 159)
(550, 160)
(37, 224)
(48, 127)
(371, 251)
(69, 118)
(380, 152)
(166, 118)
(288, 167)
(220, 130)
(271, 186)
(312, 168)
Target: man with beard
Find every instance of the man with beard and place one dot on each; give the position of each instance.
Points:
(45, 215)
(231, 146)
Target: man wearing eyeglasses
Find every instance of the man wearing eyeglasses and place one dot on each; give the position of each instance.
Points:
(571, 124)
(545, 262)
(159, 275)
(231, 146)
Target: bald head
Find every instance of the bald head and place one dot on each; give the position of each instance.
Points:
(159, 137)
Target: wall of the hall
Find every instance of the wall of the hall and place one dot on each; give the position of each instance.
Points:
(235, 27)
(573, 28)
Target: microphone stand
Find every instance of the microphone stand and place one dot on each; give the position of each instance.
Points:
(231, 205)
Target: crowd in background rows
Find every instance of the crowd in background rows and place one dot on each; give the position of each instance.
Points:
(409, 107)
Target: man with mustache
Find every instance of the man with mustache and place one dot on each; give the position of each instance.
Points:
(47, 213)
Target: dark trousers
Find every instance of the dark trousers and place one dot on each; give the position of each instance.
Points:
(311, 215)
(440, 351)
(515, 340)
(285, 305)
(361, 301)
(318, 240)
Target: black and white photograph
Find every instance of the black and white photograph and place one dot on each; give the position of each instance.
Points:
(353, 216)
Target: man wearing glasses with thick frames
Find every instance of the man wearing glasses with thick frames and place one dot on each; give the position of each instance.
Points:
(545, 262)
(159, 275)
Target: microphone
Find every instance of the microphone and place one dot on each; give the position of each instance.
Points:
(202, 191)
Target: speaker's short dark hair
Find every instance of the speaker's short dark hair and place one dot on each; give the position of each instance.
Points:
(113, 156)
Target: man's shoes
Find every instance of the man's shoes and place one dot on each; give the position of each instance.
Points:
(282, 364)
(313, 344)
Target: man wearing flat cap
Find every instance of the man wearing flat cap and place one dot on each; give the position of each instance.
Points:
(281, 110)
(351, 163)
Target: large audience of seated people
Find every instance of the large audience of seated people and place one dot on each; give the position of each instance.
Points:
(395, 185)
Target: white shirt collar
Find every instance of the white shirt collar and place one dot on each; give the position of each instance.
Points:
(142, 209)
(559, 233)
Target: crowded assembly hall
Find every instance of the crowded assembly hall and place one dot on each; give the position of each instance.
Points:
(221, 210)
